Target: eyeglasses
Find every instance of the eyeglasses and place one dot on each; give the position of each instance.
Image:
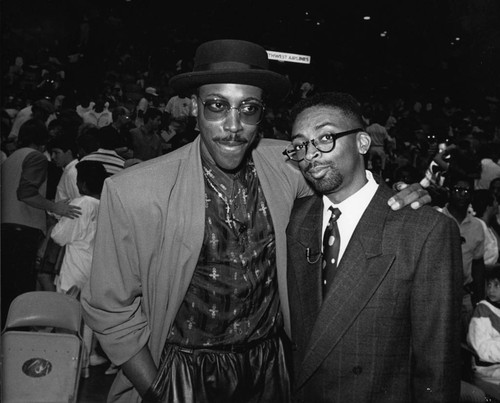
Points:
(250, 112)
(324, 144)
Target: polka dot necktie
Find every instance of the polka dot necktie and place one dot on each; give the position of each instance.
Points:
(331, 247)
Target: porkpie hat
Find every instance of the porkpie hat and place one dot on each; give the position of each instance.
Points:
(232, 61)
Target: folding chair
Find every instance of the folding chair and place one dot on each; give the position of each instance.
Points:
(42, 348)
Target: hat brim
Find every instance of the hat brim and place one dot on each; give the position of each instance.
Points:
(276, 87)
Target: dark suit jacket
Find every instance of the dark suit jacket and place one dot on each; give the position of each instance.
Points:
(389, 328)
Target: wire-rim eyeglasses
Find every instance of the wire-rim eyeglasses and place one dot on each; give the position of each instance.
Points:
(250, 112)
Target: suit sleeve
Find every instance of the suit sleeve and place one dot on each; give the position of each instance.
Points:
(112, 298)
(435, 315)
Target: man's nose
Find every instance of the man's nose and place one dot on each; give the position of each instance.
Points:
(232, 122)
(311, 151)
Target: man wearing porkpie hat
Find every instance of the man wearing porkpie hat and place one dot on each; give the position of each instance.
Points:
(188, 287)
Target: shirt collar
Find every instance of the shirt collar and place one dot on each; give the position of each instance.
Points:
(356, 204)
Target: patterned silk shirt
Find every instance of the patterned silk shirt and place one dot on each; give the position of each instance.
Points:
(233, 295)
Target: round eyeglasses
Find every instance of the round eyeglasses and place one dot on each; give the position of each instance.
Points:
(297, 150)
(250, 112)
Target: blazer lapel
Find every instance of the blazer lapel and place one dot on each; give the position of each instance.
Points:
(361, 270)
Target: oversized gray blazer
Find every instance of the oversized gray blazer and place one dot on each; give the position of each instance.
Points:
(389, 328)
(149, 236)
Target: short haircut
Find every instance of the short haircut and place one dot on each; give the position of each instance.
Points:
(455, 177)
(93, 174)
(492, 273)
(344, 102)
(152, 113)
(88, 139)
(64, 142)
(33, 131)
(481, 199)
(109, 138)
(119, 111)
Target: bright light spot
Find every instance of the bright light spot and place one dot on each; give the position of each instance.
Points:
(318, 23)
(452, 43)
(367, 18)
(457, 38)
(383, 34)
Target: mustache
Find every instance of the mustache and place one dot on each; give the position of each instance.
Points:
(235, 137)
(312, 165)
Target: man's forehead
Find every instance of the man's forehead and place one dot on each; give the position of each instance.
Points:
(229, 90)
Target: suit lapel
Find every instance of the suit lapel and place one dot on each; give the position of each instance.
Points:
(361, 270)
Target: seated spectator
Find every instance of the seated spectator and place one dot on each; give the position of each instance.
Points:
(484, 331)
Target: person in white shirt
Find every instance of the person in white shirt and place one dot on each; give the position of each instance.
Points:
(63, 151)
(77, 236)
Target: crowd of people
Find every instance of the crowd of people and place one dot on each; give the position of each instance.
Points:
(184, 278)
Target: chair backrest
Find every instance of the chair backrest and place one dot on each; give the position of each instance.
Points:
(45, 308)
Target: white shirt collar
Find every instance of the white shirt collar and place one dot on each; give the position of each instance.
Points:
(351, 209)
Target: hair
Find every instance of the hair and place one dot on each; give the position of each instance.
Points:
(481, 199)
(88, 139)
(492, 274)
(151, 113)
(344, 102)
(33, 131)
(109, 138)
(64, 142)
(493, 181)
(119, 111)
(93, 174)
(454, 177)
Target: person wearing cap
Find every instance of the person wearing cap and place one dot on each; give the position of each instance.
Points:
(188, 288)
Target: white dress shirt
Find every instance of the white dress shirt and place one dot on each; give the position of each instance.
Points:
(351, 210)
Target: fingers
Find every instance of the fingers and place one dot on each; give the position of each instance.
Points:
(413, 195)
(68, 210)
(74, 211)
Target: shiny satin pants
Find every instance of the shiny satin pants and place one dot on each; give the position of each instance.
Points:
(212, 376)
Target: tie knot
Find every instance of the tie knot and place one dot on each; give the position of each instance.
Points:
(335, 213)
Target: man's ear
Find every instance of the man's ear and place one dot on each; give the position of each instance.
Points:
(363, 140)
(194, 105)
